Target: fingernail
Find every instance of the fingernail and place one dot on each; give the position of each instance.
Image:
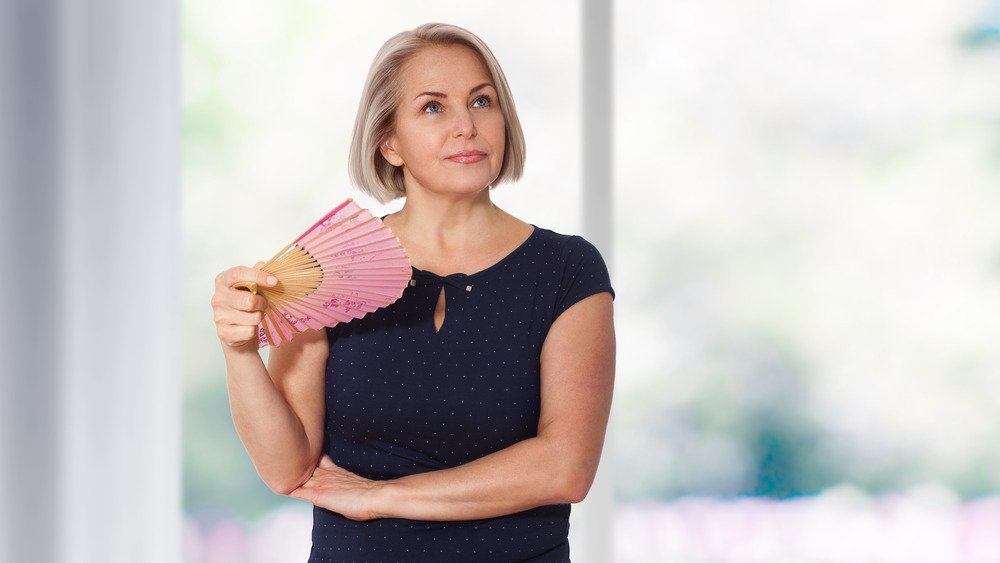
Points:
(272, 280)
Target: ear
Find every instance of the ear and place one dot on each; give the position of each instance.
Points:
(389, 153)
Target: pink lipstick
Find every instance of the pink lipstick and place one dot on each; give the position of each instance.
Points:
(467, 157)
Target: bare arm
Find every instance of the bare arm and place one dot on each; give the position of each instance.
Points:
(278, 410)
(556, 466)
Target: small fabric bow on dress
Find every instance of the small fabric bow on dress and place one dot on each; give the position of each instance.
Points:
(423, 277)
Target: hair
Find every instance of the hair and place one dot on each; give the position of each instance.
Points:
(368, 169)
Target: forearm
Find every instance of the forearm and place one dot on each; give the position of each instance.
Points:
(270, 430)
(530, 473)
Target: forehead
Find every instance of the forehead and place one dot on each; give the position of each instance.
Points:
(440, 66)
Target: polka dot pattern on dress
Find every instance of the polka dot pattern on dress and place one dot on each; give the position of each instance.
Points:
(405, 398)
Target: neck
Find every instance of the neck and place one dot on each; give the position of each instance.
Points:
(446, 221)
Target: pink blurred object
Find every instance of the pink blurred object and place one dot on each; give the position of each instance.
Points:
(345, 266)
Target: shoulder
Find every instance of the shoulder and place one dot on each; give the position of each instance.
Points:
(574, 269)
(575, 261)
(566, 246)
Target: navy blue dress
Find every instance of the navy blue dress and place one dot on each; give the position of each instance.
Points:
(402, 398)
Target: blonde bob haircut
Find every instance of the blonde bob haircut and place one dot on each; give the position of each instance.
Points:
(369, 170)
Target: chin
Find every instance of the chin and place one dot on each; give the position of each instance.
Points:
(460, 184)
(468, 186)
(469, 190)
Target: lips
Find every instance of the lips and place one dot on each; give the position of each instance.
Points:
(467, 157)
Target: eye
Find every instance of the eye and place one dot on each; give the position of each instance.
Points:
(482, 102)
(432, 107)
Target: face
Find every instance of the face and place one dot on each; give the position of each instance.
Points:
(449, 130)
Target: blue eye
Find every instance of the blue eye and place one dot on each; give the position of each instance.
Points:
(432, 107)
(484, 99)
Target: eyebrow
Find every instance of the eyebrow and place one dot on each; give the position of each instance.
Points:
(443, 95)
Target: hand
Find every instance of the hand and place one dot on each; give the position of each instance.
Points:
(337, 489)
(237, 312)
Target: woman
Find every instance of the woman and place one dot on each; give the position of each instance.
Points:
(458, 423)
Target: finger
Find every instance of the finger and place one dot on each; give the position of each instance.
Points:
(301, 493)
(235, 274)
(238, 318)
(326, 462)
(245, 274)
(244, 300)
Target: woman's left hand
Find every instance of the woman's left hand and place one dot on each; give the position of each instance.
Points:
(337, 489)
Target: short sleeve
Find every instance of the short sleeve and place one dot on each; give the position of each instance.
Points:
(584, 273)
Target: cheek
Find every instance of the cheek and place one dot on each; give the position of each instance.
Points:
(500, 140)
(493, 127)
(415, 146)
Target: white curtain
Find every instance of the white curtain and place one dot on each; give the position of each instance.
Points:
(89, 278)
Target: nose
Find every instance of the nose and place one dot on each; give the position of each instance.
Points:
(465, 124)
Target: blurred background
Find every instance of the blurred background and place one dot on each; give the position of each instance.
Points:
(804, 244)
(805, 250)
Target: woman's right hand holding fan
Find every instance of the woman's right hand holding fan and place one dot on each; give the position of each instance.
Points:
(277, 409)
(237, 312)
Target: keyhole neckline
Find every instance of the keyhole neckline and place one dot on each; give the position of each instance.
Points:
(461, 277)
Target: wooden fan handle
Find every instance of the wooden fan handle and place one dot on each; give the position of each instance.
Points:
(248, 286)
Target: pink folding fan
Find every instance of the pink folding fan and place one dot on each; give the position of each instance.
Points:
(346, 265)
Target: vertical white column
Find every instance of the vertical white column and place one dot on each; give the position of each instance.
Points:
(598, 130)
(90, 272)
(598, 152)
(121, 368)
(29, 281)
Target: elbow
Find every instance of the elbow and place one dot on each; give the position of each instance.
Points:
(282, 488)
(576, 484)
(285, 485)
(577, 491)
